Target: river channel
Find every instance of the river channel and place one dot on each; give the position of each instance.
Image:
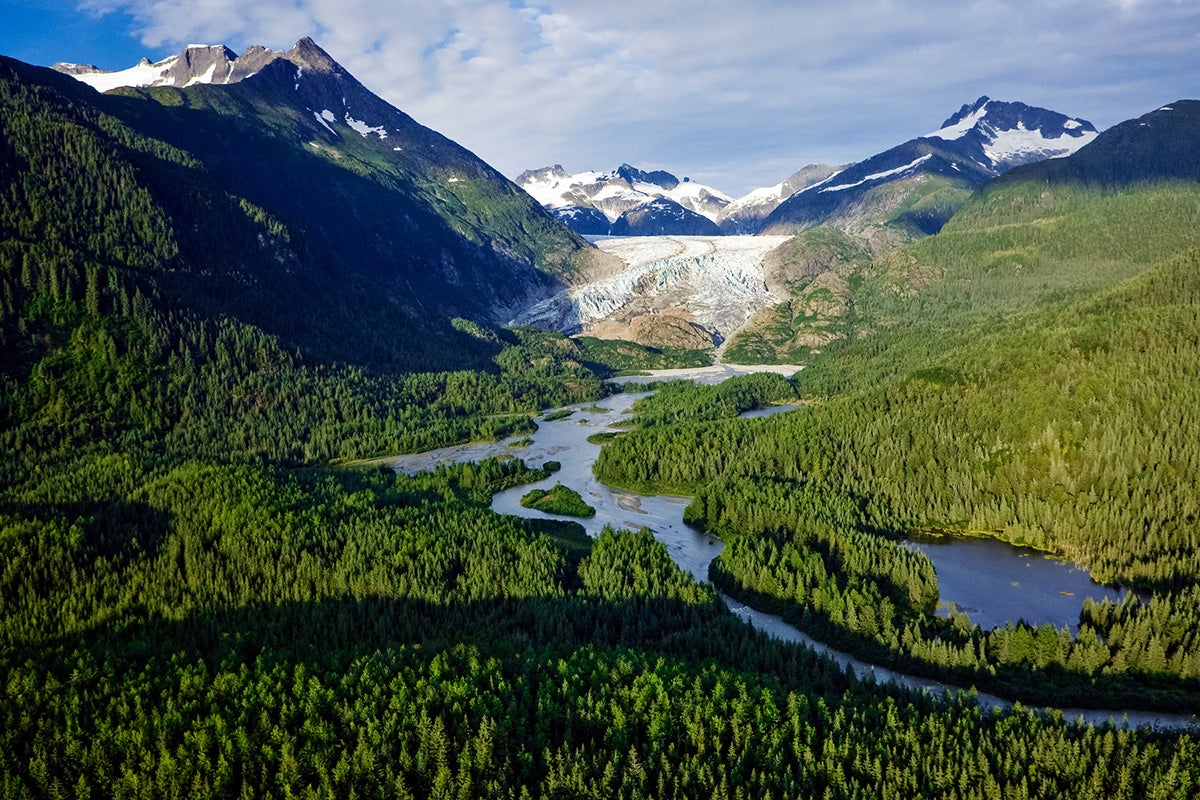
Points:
(565, 440)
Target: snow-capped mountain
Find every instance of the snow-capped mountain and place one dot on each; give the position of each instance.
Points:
(913, 188)
(660, 217)
(375, 192)
(1003, 135)
(746, 214)
(198, 63)
(614, 193)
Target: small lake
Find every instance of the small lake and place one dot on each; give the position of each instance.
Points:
(994, 582)
(767, 411)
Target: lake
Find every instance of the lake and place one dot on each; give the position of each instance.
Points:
(994, 582)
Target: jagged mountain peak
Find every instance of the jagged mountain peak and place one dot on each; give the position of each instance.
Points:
(1013, 133)
(967, 110)
(204, 63)
(611, 194)
(308, 54)
(656, 177)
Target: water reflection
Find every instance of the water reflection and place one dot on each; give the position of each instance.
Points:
(994, 582)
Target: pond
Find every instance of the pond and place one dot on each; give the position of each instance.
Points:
(994, 582)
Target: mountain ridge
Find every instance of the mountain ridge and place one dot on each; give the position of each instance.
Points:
(913, 188)
(356, 193)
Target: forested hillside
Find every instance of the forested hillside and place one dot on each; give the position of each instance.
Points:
(194, 602)
(1029, 374)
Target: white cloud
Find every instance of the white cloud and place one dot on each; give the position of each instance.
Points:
(725, 93)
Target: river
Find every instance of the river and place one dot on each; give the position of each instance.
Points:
(565, 441)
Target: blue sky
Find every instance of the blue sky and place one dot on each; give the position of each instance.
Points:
(734, 95)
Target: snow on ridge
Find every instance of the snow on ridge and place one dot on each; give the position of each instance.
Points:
(141, 74)
(204, 78)
(818, 184)
(878, 175)
(960, 128)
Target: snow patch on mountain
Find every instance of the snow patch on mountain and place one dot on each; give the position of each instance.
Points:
(144, 73)
(876, 176)
(204, 77)
(326, 117)
(364, 129)
(1020, 144)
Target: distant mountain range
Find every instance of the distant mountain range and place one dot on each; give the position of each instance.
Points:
(418, 229)
(627, 201)
(911, 189)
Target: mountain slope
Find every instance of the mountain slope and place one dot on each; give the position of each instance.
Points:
(1004, 233)
(145, 301)
(1157, 146)
(301, 137)
(746, 214)
(1028, 374)
(913, 188)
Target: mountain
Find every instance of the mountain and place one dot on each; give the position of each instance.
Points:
(614, 193)
(661, 217)
(218, 271)
(996, 237)
(913, 188)
(746, 214)
(198, 63)
(371, 192)
(1157, 146)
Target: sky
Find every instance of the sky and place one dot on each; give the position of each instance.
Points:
(734, 95)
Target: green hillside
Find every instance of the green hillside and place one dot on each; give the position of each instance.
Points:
(1028, 373)
(194, 602)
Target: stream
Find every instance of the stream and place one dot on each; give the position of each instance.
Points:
(565, 440)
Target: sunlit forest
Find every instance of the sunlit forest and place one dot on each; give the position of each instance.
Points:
(204, 593)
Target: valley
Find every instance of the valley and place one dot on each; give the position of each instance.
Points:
(564, 436)
(278, 365)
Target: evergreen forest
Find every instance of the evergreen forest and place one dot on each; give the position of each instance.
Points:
(205, 593)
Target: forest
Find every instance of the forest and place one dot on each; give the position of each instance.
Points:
(1045, 403)
(202, 596)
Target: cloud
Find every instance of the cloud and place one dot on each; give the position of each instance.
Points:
(735, 95)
